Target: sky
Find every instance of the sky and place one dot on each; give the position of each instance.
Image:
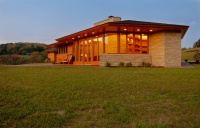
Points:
(43, 21)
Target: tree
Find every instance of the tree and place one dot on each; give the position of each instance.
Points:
(36, 57)
(21, 48)
(196, 44)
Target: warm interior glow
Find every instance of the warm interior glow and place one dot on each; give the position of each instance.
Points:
(95, 39)
(144, 37)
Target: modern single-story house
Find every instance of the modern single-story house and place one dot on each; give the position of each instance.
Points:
(129, 41)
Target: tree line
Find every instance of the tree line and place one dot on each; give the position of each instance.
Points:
(20, 53)
(197, 44)
(21, 48)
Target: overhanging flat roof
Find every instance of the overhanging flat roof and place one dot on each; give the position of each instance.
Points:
(126, 26)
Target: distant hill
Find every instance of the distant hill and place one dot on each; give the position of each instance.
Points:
(188, 54)
(21, 48)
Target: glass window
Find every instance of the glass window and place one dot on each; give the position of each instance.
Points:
(122, 43)
(130, 43)
(137, 43)
(111, 43)
(144, 43)
(96, 49)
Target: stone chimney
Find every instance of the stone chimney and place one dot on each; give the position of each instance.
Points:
(110, 19)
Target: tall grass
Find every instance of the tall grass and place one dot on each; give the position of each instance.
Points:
(71, 97)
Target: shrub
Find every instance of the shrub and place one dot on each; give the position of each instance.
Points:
(144, 64)
(108, 64)
(121, 64)
(12, 59)
(129, 64)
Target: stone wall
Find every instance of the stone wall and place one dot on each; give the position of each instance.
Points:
(115, 59)
(165, 49)
(156, 48)
(172, 49)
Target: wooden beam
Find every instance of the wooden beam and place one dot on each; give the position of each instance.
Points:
(92, 49)
(87, 41)
(103, 41)
(118, 43)
(83, 49)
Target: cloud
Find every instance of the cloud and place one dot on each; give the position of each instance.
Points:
(193, 22)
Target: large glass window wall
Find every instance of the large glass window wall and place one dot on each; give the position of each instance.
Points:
(89, 49)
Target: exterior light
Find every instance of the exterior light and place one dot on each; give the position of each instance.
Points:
(85, 34)
(78, 36)
(150, 30)
(72, 38)
(92, 32)
(138, 30)
(125, 29)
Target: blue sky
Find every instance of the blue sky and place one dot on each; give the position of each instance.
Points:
(45, 20)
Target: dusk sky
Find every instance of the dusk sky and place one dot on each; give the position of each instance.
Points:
(45, 20)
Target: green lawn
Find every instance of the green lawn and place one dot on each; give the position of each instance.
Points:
(99, 97)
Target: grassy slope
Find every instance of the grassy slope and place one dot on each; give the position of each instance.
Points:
(188, 54)
(99, 97)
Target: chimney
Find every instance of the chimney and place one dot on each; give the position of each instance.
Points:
(110, 19)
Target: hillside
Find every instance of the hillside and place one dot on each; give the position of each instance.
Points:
(188, 54)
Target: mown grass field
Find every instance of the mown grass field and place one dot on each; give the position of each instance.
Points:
(99, 97)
